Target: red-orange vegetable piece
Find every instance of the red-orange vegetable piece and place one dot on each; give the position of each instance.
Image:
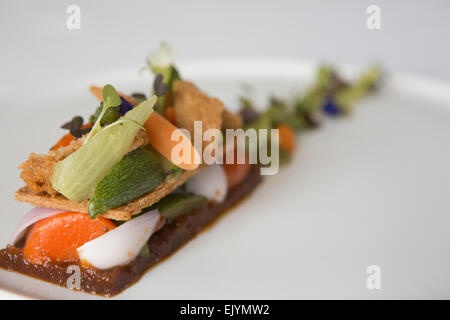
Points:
(57, 238)
(236, 173)
(169, 113)
(287, 138)
(68, 138)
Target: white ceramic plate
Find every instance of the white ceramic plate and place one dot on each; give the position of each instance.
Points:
(371, 189)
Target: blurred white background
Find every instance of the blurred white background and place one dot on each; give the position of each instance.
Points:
(38, 49)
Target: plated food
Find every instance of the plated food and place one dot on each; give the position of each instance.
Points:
(111, 199)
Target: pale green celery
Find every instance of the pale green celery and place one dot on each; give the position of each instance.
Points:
(76, 176)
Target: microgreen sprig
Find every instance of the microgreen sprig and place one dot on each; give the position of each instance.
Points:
(110, 99)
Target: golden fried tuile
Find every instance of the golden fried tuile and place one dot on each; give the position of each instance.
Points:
(193, 105)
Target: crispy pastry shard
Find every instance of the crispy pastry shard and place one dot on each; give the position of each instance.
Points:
(123, 212)
(231, 120)
(191, 105)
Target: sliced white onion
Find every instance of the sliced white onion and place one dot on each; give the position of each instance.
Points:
(210, 183)
(121, 245)
(35, 215)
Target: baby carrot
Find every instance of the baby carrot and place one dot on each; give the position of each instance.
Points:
(57, 238)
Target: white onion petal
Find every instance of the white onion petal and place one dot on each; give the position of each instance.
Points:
(33, 216)
(122, 244)
(210, 183)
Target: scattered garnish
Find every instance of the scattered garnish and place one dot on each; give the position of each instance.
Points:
(125, 106)
(75, 127)
(76, 122)
(330, 95)
(331, 108)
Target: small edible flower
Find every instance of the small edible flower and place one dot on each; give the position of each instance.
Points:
(163, 57)
(331, 108)
(125, 106)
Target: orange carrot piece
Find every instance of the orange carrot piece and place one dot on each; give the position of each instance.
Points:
(159, 131)
(57, 238)
(68, 138)
(169, 113)
(64, 141)
(287, 138)
(236, 173)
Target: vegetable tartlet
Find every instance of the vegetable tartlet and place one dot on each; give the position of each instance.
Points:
(111, 198)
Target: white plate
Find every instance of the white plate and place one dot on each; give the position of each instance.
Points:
(371, 189)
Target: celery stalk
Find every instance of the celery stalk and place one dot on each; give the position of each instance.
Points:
(76, 176)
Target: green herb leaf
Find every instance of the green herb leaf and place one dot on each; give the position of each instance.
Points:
(110, 99)
(110, 96)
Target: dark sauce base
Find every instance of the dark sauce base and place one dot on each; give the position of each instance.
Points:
(163, 243)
